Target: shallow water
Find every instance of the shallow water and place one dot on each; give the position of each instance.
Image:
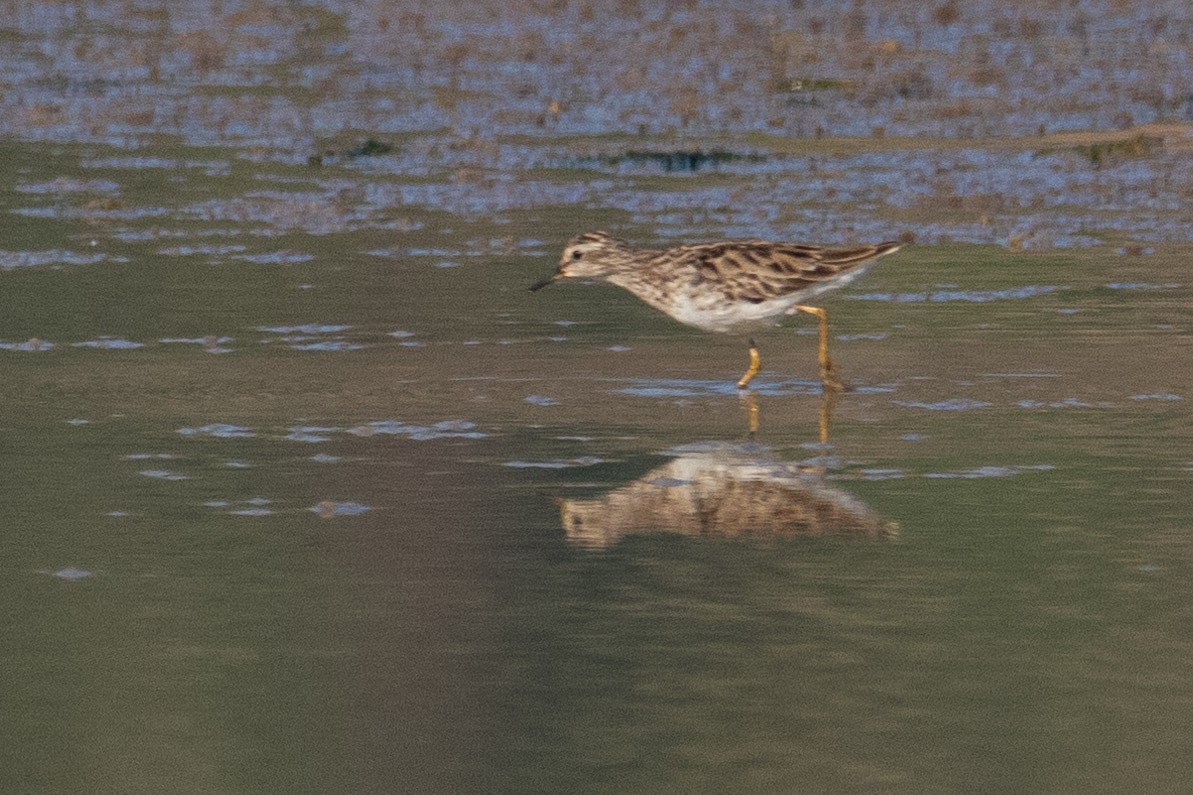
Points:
(303, 489)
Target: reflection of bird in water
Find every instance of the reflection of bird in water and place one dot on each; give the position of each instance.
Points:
(722, 490)
(728, 286)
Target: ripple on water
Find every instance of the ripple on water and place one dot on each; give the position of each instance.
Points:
(70, 185)
(308, 328)
(109, 344)
(682, 388)
(582, 461)
(325, 458)
(211, 344)
(328, 509)
(163, 474)
(30, 346)
(877, 336)
(1067, 403)
(954, 404)
(71, 573)
(33, 259)
(276, 257)
(327, 345)
(1142, 286)
(205, 250)
(310, 433)
(970, 296)
(255, 506)
(195, 340)
(990, 472)
(214, 168)
(883, 474)
(93, 213)
(219, 430)
(448, 429)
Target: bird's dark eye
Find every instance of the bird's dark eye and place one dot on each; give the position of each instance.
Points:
(577, 254)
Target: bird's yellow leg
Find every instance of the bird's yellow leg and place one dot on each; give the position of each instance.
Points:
(755, 366)
(826, 364)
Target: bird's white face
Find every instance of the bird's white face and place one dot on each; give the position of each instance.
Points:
(587, 259)
(593, 255)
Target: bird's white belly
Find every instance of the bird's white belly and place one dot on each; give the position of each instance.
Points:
(710, 314)
(742, 316)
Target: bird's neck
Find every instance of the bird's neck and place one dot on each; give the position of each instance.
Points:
(639, 278)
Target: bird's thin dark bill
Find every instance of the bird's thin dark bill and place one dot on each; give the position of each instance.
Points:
(540, 285)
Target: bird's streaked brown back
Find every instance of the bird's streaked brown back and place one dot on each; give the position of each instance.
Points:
(782, 267)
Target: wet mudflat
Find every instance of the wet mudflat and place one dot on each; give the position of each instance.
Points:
(303, 489)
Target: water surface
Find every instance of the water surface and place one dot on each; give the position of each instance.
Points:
(303, 490)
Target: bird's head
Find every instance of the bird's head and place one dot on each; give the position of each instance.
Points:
(592, 255)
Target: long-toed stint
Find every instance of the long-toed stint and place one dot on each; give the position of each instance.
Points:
(729, 286)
